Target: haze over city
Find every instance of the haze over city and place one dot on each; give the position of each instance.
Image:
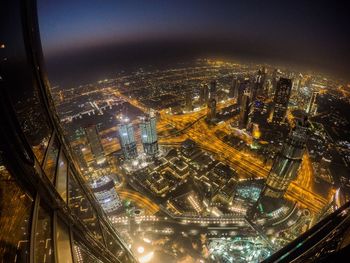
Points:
(96, 38)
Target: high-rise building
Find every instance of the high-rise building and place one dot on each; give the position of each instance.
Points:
(213, 90)
(106, 195)
(312, 105)
(211, 114)
(95, 144)
(127, 139)
(148, 127)
(274, 79)
(244, 110)
(78, 152)
(188, 102)
(233, 92)
(243, 86)
(259, 82)
(281, 100)
(285, 167)
(204, 95)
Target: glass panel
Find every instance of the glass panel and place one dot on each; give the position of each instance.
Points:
(61, 179)
(51, 159)
(112, 243)
(24, 92)
(82, 208)
(64, 253)
(81, 254)
(15, 214)
(43, 241)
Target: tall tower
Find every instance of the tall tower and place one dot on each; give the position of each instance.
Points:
(259, 81)
(242, 87)
(213, 90)
(95, 144)
(244, 110)
(233, 93)
(188, 102)
(281, 100)
(127, 139)
(274, 79)
(211, 114)
(204, 95)
(285, 167)
(312, 106)
(149, 135)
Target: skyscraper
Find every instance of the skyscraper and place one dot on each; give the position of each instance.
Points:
(285, 167)
(233, 92)
(213, 90)
(211, 114)
(274, 79)
(312, 106)
(149, 135)
(242, 87)
(204, 95)
(281, 100)
(106, 195)
(127, 139)
(95, 144)
(244, 110)
(259, 81)
(188, 102)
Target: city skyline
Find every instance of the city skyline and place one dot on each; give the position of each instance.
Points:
(284, 33)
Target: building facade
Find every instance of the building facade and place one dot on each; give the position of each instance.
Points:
(149, 138)
(127, 139)
(281, 100)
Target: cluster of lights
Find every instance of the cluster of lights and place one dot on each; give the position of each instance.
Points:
(194, 203)
(147, 218)
(119, 220)
(214, 220)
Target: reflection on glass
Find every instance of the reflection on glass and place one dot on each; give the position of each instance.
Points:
(64, 253)
(112, 243)
(43, 241)
(61, 179)
(51, 159)
(32, 118)
(81, 255)
(15, 213)
(82, 208)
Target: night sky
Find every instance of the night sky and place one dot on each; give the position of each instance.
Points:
(91, 39)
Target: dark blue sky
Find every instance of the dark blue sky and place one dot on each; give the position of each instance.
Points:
(306, 32)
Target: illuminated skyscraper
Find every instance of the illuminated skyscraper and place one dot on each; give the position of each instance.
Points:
(106, 195)
(244, 110)
(312, 106)
(149, 135)
(285, 167)
(281, 100)
(95, 144)
(127, 139)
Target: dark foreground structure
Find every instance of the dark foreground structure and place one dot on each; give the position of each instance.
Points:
(47, 214)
